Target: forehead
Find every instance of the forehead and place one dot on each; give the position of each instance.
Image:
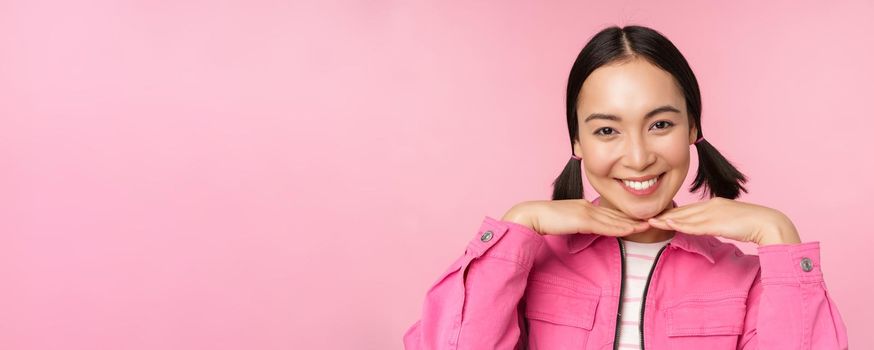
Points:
(629, 89)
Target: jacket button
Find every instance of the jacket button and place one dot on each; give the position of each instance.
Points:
(487, 236)
(806, 265)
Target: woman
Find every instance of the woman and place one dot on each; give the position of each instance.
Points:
(631, 269)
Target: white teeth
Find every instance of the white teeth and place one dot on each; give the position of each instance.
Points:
(640, 185)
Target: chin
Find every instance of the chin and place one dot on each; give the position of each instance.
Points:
(644, 212)
(642, 216)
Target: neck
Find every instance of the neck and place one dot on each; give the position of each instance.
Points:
(651, 235)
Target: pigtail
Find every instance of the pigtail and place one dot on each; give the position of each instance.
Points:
(719, 177)
(569, 184)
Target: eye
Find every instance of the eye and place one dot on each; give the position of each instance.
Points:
(669, 124)
(598, 132)
(664, 123)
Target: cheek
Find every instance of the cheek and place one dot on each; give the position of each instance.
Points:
(675, 152)
(678, 157)
(597, 158)
(597, 165)
(678, 162)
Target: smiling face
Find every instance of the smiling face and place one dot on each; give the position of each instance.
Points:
(633, 125)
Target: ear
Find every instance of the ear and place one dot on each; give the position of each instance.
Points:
(578, 150)
(693, 135)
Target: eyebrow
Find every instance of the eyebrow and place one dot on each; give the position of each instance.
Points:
(665, 108)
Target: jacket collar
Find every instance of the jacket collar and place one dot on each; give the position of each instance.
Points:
(691, 243)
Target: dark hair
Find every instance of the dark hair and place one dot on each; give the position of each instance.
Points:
(615, 44)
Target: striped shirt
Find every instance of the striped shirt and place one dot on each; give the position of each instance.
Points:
(639, 259)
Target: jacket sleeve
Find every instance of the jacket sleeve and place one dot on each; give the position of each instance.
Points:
(789, 306)
(473, 304)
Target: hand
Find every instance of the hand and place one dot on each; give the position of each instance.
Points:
(569, 216)
(739, 221)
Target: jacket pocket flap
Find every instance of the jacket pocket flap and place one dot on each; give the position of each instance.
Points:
(706, 317)
(559, 305)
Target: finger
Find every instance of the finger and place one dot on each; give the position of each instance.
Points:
(696, 228)
(616, 223)
(662, 223)
(618, 215)
(673, 212)
(613, 213)
(680, 216)
(613, 228)
(682, 212)
(636, 225)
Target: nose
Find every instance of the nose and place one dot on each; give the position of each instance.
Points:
(638, 154)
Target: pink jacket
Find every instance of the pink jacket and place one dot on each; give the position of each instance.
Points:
(514, 288)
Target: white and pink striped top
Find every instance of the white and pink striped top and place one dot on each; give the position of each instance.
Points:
(639, 258)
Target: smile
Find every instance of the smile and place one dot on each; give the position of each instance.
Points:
(641, 186)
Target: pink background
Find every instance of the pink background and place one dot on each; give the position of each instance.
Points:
(272, 175)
